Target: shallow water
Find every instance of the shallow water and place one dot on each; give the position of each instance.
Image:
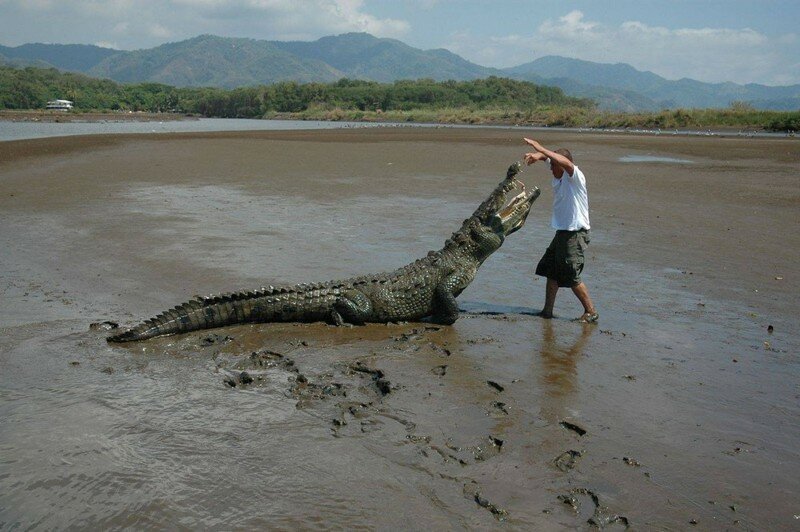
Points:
(690, 406)
(652, 159)
(19, 130)
(10, 130)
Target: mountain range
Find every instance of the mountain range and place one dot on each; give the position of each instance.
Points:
(225, 62)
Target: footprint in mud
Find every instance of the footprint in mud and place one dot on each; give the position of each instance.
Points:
(254, 368)
(472, 491)
(440, 371)
(360, 390)
(350, 395)
(601, 516)
(489, 449)
(463, 455)
(498, 408)
(215, 339)
(419, 340)
(383, 386)
(415, 334)
(439, 350)
(567, 460)
(309, 393)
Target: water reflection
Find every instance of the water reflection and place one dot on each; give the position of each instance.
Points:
(559, 369)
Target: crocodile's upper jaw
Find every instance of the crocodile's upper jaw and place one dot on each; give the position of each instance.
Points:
(512, 216)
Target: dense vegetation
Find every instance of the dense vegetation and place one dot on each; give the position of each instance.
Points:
(30, 88)
(490, 100)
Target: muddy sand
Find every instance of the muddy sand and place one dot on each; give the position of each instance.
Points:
(679, 408)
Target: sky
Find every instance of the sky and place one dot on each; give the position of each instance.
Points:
(743, 41)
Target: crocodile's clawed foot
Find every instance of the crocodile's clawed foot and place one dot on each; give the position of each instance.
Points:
(336, 319)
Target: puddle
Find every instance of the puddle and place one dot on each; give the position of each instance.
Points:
(652, 159)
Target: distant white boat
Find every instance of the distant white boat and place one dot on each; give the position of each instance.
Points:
(59, 105)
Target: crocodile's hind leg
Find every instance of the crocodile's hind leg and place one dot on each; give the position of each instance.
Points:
(351, 307)
(445, 304)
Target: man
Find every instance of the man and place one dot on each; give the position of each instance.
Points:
(562, 263)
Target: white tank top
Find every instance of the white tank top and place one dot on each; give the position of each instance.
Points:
(570, 202)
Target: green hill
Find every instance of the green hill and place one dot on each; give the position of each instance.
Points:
(213, 61)
(228, 63)
(362, 56)
(72, 57)
(662, 93)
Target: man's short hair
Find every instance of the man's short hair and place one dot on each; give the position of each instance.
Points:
(566, 153)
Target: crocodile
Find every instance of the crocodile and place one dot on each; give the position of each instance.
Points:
(423, 290)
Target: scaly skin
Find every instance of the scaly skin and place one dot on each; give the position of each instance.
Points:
(426, 288)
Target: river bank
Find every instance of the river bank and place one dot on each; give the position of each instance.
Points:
(680, 122)
(93, 116)
(680, 407)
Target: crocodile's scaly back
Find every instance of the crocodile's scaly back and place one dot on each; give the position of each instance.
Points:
(425, 288)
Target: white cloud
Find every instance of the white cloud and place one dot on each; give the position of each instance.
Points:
(158, 31)
(146, 23)
(310, 18)
(349, 13)
(706, 54)
(107, 44)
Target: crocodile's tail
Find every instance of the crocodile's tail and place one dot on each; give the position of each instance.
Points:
(301, 303)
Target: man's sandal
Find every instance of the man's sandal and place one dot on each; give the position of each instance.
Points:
(589, 317)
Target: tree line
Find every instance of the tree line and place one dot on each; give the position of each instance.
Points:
(31, 88)
(490, 101)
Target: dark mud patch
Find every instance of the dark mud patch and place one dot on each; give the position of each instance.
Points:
(496, 386)
(580, 431)
(631, 461)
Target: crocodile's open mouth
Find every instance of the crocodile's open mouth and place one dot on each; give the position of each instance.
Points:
(513, 215)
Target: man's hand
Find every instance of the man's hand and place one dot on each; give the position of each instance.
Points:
(532, 157)
(536, 145)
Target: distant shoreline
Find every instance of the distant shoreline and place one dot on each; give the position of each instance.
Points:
(372, 120)
(93, 116)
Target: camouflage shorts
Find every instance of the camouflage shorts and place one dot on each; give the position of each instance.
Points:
(563, 260)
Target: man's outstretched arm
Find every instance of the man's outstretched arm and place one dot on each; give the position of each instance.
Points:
(562, 161)
(532, 157)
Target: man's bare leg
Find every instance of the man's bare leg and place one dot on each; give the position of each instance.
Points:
(582, 293)
(549, 298)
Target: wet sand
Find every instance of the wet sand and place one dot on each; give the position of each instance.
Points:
(678, 408)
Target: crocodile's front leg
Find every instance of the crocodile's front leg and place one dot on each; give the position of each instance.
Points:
(352, 306)
(445, 304)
